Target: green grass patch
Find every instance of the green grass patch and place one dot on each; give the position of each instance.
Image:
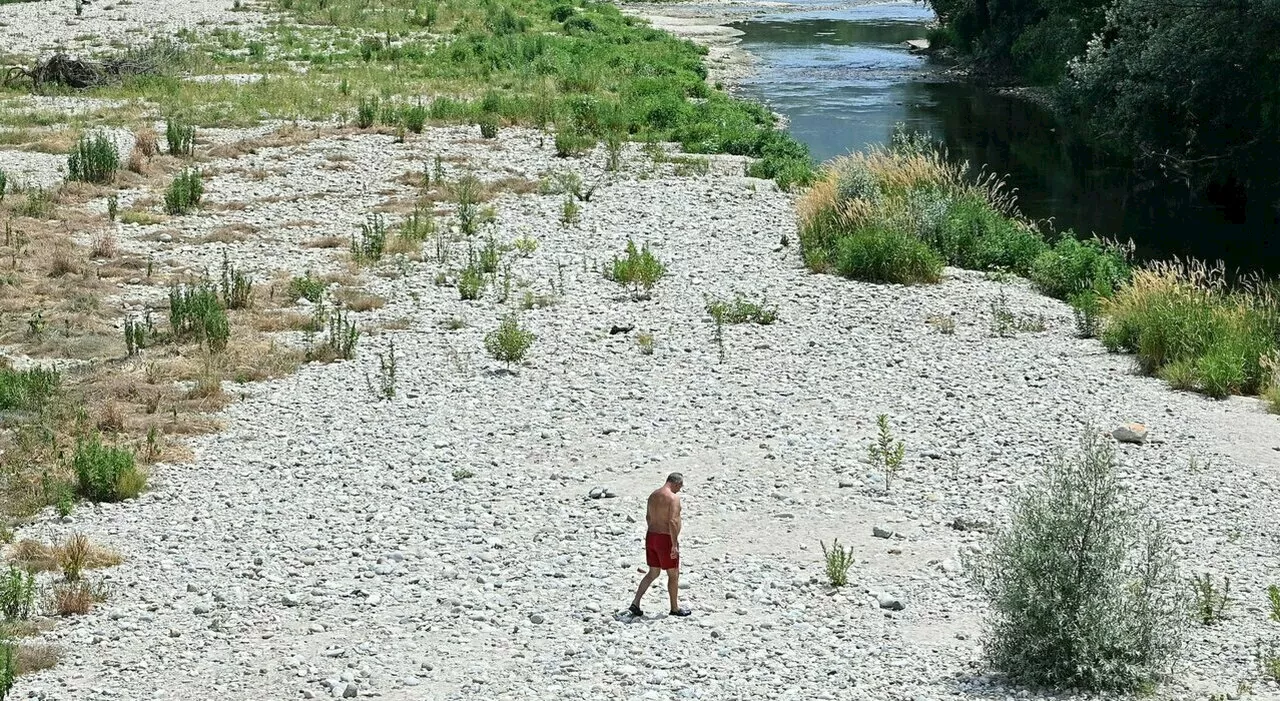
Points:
(1185, 325)
(595, 73)
(27, 390)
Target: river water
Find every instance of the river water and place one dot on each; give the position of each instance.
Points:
(844, 77)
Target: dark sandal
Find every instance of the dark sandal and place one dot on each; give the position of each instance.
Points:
(635, 611)
(682, 612)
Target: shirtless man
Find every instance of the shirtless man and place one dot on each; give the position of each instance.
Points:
(662, 543)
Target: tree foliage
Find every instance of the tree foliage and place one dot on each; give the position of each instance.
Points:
(1187, 88)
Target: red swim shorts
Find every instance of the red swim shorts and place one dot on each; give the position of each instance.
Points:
(657, 551)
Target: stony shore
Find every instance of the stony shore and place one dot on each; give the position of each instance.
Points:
(328, 544)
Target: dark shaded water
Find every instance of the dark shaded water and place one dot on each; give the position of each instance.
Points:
(844, 78)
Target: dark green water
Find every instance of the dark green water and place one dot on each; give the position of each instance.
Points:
(843, 78)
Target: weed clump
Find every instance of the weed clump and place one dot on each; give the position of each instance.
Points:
(741, 310)
(639, 269)
(839, 561)
(368, 248)
(106, 473)
(184, 193)
(196, 312)
(95, 159)
(180, 136)
(509, 342)
(27, 390)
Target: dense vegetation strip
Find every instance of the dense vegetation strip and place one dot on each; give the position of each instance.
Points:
(582, 69)
(899, 214)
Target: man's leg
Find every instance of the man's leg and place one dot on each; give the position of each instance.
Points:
(644, 586)
(673, 591)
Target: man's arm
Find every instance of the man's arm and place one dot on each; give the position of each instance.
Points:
(673, 522)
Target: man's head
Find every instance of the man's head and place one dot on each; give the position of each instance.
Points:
(675, 481)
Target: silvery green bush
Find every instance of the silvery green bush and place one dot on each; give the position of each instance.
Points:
(1084, 590)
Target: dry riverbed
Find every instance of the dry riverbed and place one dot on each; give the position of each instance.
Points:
(443, 544)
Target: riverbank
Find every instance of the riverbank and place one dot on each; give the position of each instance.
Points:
(444, 543)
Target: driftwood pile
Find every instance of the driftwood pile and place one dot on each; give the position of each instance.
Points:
(62, 69)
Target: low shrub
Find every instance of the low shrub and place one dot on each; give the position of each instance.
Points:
(184, 193)
(180, 136)
(1073, 266)
(95, 159)
(106, 473)
(308, 287)
(489, 125)
(639, 269)
(28, 390)
(570, 143)
(509, 342)
(195, 312)
(415, 118)
(1084, 592)
(879, 254)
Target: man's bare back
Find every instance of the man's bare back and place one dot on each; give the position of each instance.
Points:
(663, 514)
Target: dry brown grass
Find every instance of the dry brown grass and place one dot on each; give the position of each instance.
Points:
(111, 418)
(36, 556)
(147, 142)
(327, 242)
(137, 163)
(277, 321)
(72, 598)
(35, 657)
(231, 233)
(359, 301)
(104, 246)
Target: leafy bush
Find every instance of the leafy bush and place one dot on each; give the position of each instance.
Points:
(883, 255)
(415, 118)
(639, 269)
(106, 473)
(180, 136)
(741, 310)
(307, 287)
(1073, 266)
(1083, 592)
(368, 248)
(196, 312)
(27, 389)
(1182, 319)
(974, 235)
(839, 561)
(184, 192)
(509, 343)
(95, 159)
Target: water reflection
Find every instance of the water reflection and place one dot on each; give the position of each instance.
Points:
(844, 78)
